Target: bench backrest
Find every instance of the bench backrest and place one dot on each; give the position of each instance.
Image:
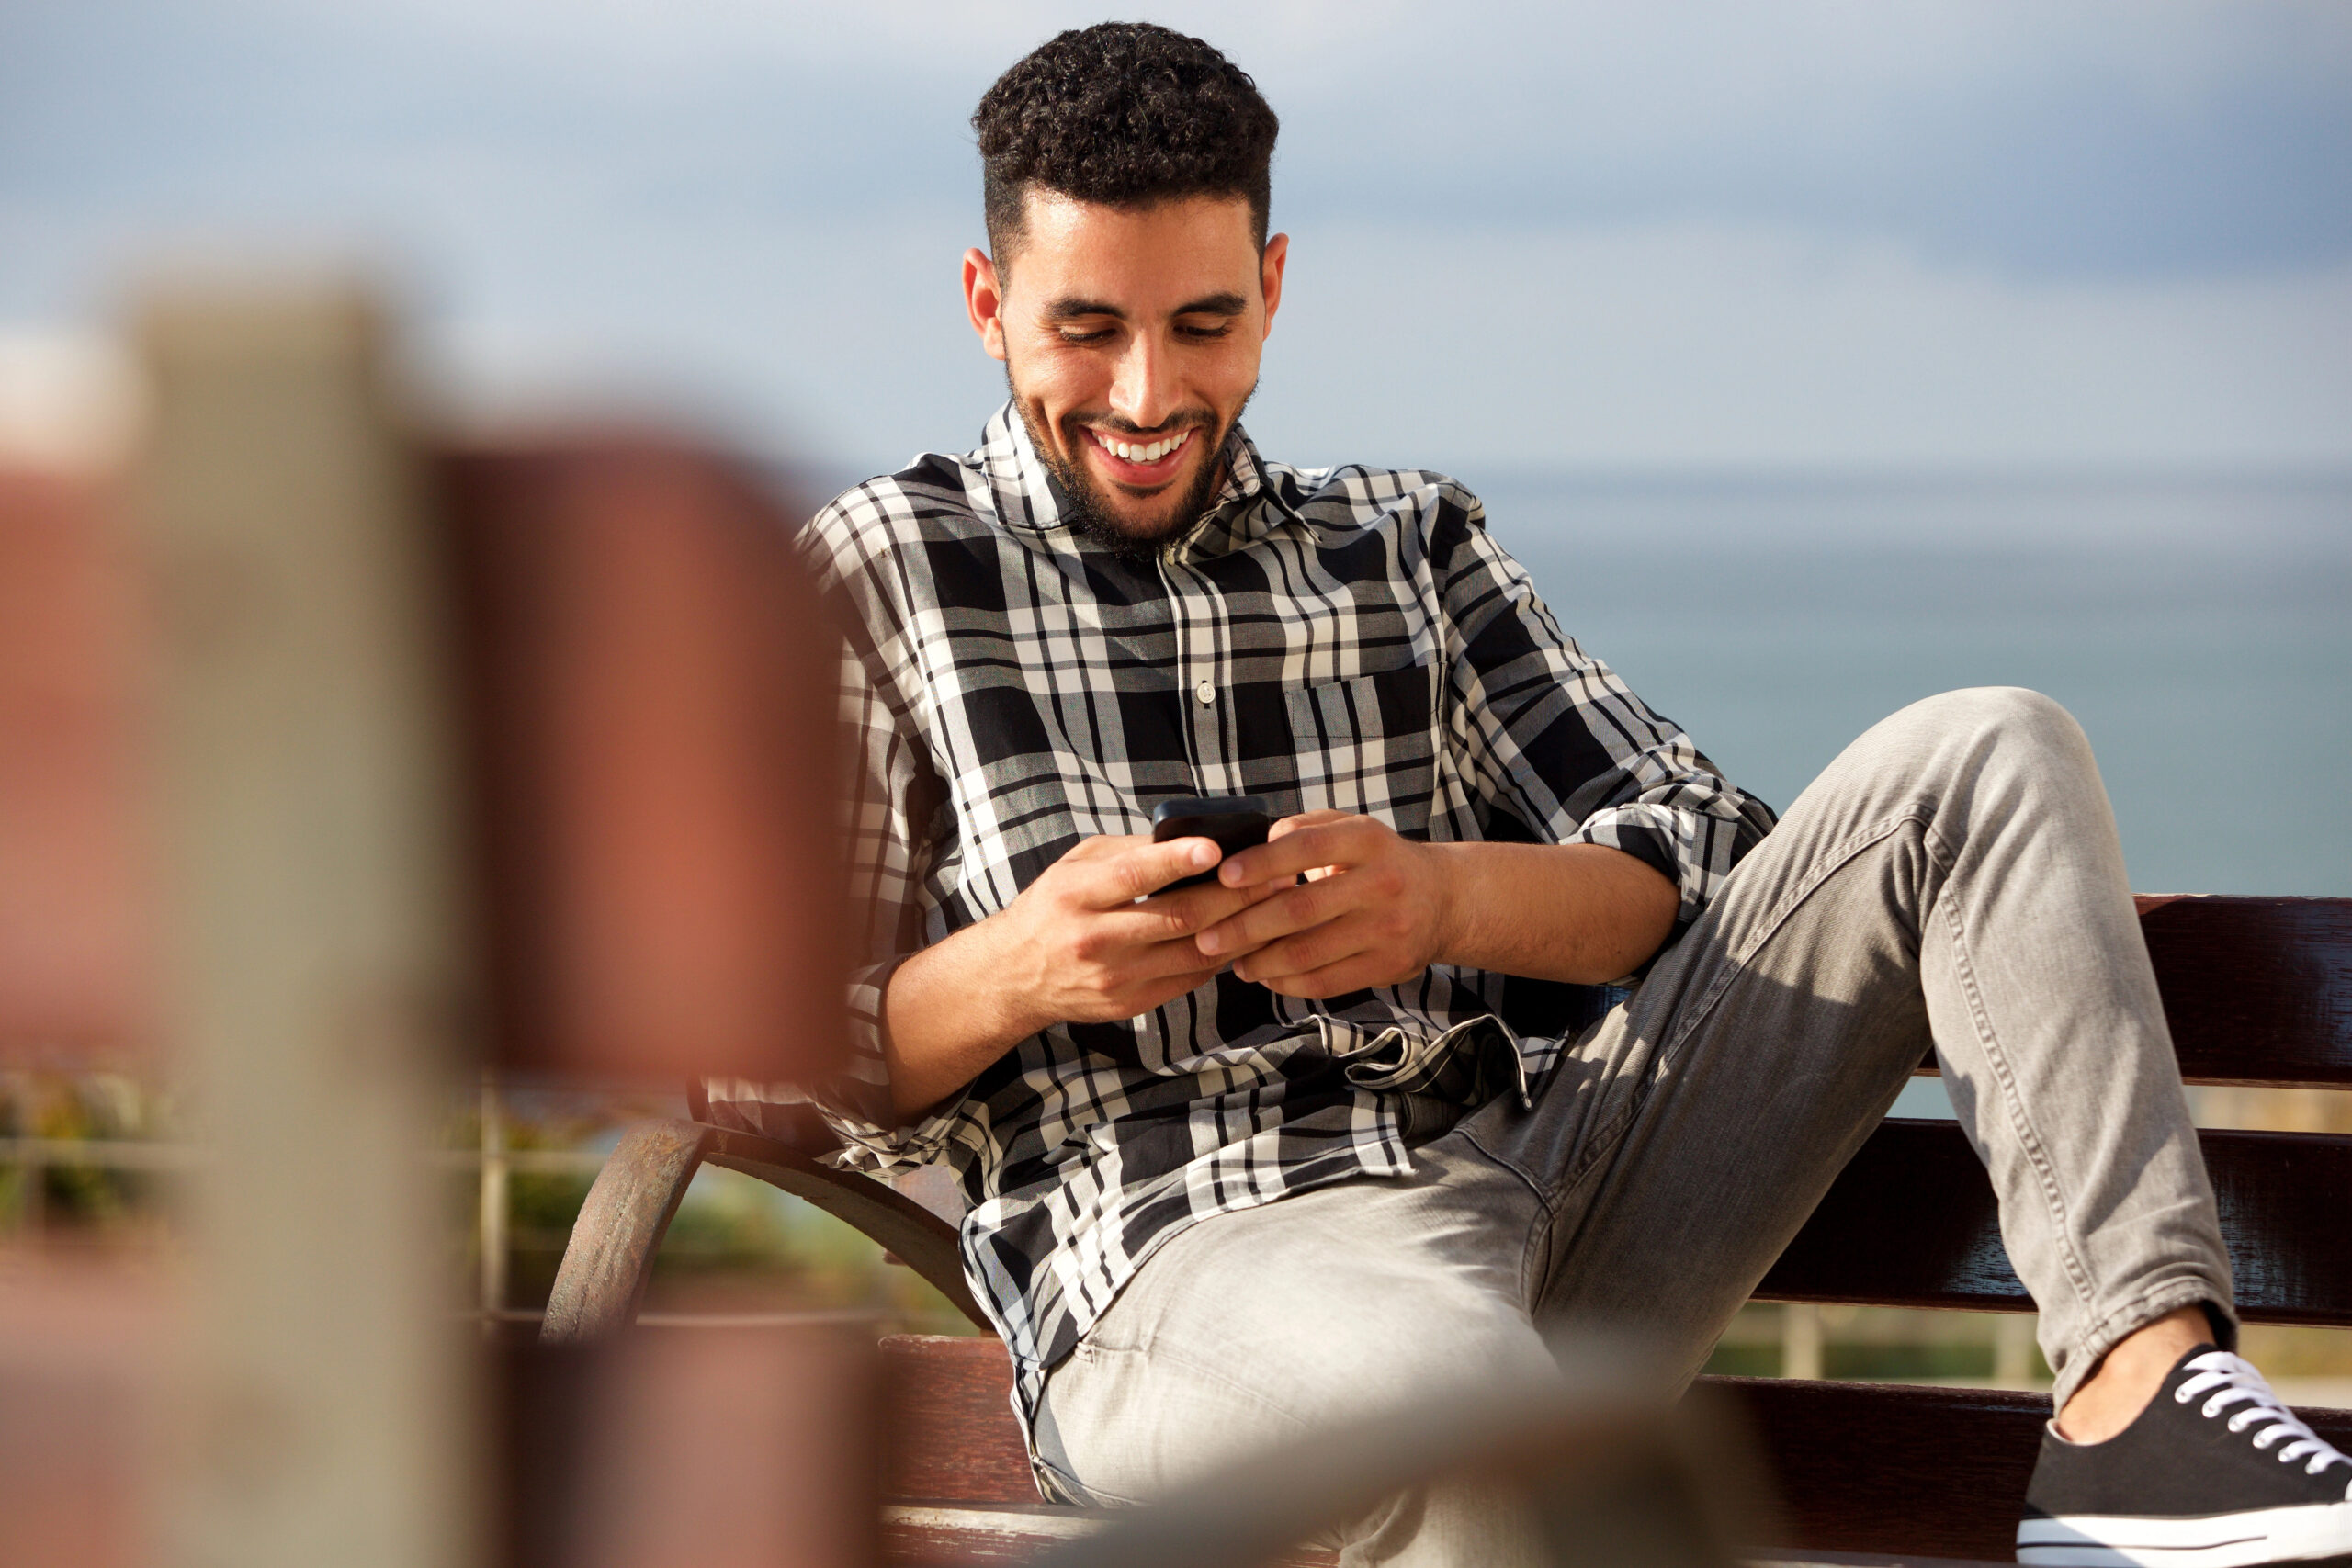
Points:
(2256, 992)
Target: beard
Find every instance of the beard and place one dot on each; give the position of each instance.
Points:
(1091, 513)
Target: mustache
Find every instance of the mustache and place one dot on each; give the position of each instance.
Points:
(1191, 419)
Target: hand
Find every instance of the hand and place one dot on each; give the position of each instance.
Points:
(1373, 909)
(1076, 947)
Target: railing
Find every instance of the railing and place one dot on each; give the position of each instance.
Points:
(33, 1158)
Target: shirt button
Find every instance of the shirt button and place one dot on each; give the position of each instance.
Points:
(1206, 693)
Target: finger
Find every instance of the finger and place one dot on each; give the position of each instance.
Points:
(1361, 972)
(1289, 825)
(1167, 970)
(1170, 959)
(1334, 941)
(1289, 910)
(1141, 868)
(1102, 844)
(1336, 840)
(1170, 917)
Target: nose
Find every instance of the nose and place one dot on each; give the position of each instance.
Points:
(1143, 390)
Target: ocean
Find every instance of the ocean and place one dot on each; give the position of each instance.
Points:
(2200, 632)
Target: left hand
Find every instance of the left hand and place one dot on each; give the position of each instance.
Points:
(1374, 910)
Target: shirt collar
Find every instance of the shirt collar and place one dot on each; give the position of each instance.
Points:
(1246, 506)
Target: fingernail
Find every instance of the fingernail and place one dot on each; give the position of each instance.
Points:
(1231, 874)
(1204, 855)
(1210, 941)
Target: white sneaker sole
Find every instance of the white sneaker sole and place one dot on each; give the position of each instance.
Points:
(2221, 1540)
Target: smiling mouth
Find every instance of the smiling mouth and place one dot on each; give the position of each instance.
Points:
(1142, 462)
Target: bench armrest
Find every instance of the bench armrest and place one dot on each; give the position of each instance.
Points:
(610, 1256)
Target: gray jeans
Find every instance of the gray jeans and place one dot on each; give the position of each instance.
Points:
(1954, 877)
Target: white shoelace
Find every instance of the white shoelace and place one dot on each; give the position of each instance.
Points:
(2231, 1379)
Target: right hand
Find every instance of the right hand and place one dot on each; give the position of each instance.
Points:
(1078, 948)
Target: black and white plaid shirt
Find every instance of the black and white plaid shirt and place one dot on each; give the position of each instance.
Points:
(1345, 637)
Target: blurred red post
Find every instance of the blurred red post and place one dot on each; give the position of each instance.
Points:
(651, 687)
(79, 1337)
(77, 984)
(79, 1357)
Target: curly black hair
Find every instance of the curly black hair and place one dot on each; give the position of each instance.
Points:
(1125, 114)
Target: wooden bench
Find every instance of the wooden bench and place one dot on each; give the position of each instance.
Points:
(2259, 991)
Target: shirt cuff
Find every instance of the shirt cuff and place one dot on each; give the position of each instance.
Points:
(1647, 833)
(855, 1101)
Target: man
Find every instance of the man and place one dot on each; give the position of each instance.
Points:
(1365, 1112)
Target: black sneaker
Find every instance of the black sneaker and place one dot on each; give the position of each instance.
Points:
(2214, 1473)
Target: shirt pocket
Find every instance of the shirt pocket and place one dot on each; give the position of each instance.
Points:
(1367, 745)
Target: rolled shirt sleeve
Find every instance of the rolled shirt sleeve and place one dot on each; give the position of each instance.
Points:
(887, 793)
(1556, 742)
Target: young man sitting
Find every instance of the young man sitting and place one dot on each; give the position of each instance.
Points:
(1368, 1111)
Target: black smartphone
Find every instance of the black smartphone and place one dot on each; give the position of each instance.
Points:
(1235, 821)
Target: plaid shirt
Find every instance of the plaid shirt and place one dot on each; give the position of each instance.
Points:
(1349, 638)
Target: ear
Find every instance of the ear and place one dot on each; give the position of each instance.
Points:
(984, 300)
(1270, 274)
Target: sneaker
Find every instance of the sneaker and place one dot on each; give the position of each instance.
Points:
(2214, 1473)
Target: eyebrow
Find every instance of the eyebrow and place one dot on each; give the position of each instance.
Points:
(1072, 307)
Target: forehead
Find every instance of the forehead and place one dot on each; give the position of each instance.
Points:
(1137, 258)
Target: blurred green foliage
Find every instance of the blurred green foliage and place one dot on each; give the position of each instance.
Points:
(758, 1247)
(65, 1197)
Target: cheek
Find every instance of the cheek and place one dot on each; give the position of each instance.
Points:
(1044, 359)
(1055, 386)
(1226, 381)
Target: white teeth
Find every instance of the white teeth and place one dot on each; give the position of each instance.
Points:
(1150, 452)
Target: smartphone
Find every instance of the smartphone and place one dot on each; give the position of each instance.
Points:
(1235, 821)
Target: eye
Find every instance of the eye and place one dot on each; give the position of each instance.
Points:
(1073, 336)
(1205, 333)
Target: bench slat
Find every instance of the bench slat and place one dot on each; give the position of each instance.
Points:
(1880, 1467)
(951, 1434)
(2257, 990)
(1911, 1223)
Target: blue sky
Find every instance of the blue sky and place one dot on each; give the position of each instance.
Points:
(1655, 236)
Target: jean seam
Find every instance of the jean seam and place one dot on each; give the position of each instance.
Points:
(1838, 857)
(2020, 1125)
(1199, 1369)
(1071, 1484)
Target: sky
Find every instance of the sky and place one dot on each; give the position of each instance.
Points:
(1719, 235)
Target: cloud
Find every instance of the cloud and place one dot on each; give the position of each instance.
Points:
(1693, 232)
(1665, 345)
(2157, 138)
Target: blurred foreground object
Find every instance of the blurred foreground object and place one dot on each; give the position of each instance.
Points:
(652, 688)
(395, 755)
(1599, 1473)
(322, 940)
(80, 1351)
(77, 943)
(733, 1447)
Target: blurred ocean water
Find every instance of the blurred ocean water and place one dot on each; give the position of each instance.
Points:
(2201, 632)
